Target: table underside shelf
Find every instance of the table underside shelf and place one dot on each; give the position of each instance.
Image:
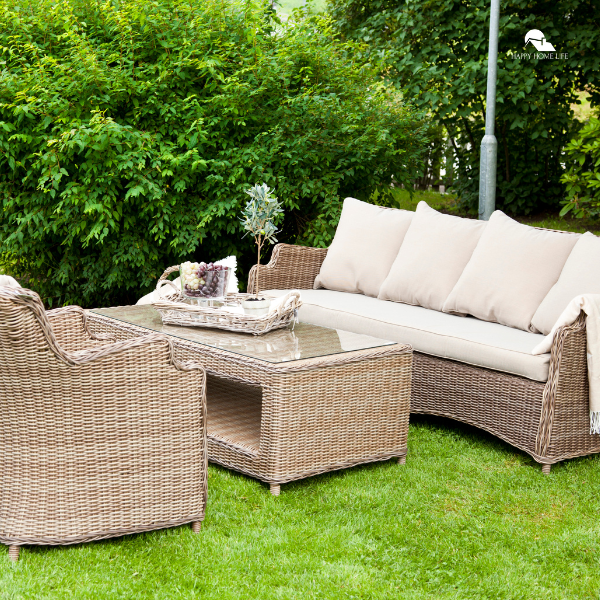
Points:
(234, 415)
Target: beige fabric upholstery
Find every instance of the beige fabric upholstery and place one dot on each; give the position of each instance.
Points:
(580, 275)
(365, 245)
(467, 340)
(434, 253)
(512, 269)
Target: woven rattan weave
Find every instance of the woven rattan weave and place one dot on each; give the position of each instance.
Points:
(293, 417)
(95, 441)
(548, 421)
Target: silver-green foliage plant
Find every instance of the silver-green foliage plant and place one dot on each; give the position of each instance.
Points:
(259, 217)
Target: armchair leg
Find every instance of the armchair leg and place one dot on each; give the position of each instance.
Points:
(546, 469)
(402, 460)
(275, 489)
(13, 553)
(196, 526)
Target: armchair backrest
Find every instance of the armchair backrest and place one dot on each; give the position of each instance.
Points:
(24, 326)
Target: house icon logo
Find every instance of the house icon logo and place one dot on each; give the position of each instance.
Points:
(537, 39)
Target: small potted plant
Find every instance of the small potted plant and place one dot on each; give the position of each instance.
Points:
(258, 218)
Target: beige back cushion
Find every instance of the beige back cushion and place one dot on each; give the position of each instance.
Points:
(580, 275)
(511, 271)
(365, 245)
(435, 251)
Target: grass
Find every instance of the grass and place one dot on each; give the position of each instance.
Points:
(447, 203)
(466, 517)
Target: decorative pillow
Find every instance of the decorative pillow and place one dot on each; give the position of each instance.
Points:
(365, 245)
(434, 253)
(580, 275)
(511, 271)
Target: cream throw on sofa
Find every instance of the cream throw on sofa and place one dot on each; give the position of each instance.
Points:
(590, 305)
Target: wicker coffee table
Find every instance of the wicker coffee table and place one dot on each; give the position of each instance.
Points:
(291, 403)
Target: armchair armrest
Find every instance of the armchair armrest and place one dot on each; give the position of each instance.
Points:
(71, 329)
(290, 267)
(155, 340)
(564, 429)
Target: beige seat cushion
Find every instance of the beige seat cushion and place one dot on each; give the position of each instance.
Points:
(580, 275)
(434, 253)
(512, 269)
(467, 340)
(365, 245)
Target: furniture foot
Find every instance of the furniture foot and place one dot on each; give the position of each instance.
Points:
(275, 489)
(402, 460)
(13, 553)
(196, 526)
(546, 469)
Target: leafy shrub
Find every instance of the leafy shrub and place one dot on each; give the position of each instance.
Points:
(436, 50)
(582, 178)
(129, 132)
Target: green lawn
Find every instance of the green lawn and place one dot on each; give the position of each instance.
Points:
(467, 517)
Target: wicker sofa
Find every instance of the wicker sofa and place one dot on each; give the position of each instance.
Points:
(547, 419)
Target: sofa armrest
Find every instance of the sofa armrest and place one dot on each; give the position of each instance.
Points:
(71, 330)
(564, 421)
(290, 267)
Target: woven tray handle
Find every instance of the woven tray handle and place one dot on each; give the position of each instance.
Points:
(162, 281)
(290, 300)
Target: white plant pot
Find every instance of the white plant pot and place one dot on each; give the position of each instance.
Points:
(257, 307)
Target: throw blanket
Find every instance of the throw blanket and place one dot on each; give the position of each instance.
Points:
(590, 305)
(8, 281)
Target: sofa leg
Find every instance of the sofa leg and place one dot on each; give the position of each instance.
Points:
(546, 469)
(13, 553)
(402, 460)
(196, 526)
(275, 489)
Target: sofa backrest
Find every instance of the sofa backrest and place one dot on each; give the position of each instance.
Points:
(501, 271)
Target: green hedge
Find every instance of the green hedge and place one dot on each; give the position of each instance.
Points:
(582, 177)
(129, 130)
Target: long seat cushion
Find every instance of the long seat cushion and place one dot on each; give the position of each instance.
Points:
(465, 339)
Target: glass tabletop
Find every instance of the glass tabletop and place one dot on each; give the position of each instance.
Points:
(281, 345)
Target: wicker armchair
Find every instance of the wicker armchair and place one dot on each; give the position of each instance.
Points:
(96, 439)
(550, 421)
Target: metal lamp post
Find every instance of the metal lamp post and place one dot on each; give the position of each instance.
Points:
(489, 144)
